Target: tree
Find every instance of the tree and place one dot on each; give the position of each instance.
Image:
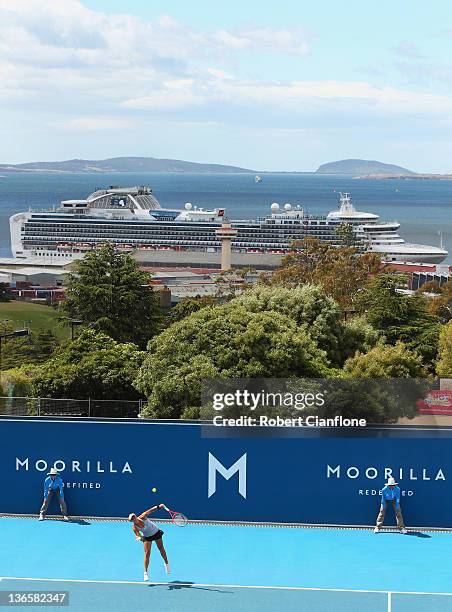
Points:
(309, 306)
(188, 306)
(110, 292)
(400, 317)
(441, 305)
(381, 385)
(17, 381)
(358, 335)
(346, 235)
(318, 314)
(37, 347)
(444, 364)
(91, 366)
(385, 361)
(225, 341)
(5, 292)
(342, 271)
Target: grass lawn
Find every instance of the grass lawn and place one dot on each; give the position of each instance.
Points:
(32, 316)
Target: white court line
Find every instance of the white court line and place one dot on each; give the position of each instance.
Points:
(226, 586)
(173, 422)
(325, 526)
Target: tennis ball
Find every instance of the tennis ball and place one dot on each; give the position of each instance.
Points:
(154, 490)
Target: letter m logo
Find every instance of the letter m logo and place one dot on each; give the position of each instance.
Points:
(215, 466)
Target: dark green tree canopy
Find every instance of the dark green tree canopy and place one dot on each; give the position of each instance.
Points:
(5, 293)
(108, 291)
(34, 348)
(91, 366)
(444, 365)
(400, 317)
(226, 341)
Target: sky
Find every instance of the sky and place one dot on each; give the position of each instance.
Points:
(268, 85)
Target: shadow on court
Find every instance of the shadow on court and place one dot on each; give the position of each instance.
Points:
(180, 584)
(416, 534)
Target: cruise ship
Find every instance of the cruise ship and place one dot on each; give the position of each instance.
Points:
(134, 221)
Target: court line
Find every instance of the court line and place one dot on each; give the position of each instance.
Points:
(328, 526)
(138, 421)
(229, 586)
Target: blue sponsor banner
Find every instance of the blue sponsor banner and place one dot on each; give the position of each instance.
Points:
(309, 476)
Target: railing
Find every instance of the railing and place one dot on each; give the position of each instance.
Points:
(42, 406)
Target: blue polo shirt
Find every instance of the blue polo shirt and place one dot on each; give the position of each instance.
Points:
(54, 485)
(389, 495)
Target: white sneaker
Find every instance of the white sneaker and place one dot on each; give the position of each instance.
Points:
(167, 568)
(41, 517)
(65, 518)
(377, 530)
(403, 530)
(146, 577)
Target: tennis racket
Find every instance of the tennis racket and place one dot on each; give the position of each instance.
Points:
(178, 518)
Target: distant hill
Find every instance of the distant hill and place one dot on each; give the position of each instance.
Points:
(120, 164)
(360, 166)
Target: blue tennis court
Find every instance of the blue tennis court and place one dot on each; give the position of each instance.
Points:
(219, 568)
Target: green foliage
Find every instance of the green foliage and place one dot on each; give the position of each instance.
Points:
(400, 317)
(384, 385)
(225, 341)
(343, 272)
(93, 365)
(386, 362)
(37, 347)
(317, 314)
(346, 235)
(17, 382)
(5, 293)
(358, 335)
(188, 306)
(441, 305)
(444, 364)
(110, 292)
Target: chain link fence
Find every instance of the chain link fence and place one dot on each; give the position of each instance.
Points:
(43, 406)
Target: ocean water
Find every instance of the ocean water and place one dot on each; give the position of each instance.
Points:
(422, 207)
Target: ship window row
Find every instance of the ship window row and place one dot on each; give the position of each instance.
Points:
(128, 232)
(268, 244)
(114, 223)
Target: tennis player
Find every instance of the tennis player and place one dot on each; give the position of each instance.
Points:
(390, 494)
(148, 532)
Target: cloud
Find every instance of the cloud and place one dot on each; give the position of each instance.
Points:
(284, 41)
(91, 70)
(91, 124)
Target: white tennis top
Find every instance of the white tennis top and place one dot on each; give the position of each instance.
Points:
(149, 528)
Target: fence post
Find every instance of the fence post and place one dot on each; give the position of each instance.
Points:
(39, 406)
(89, 407)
